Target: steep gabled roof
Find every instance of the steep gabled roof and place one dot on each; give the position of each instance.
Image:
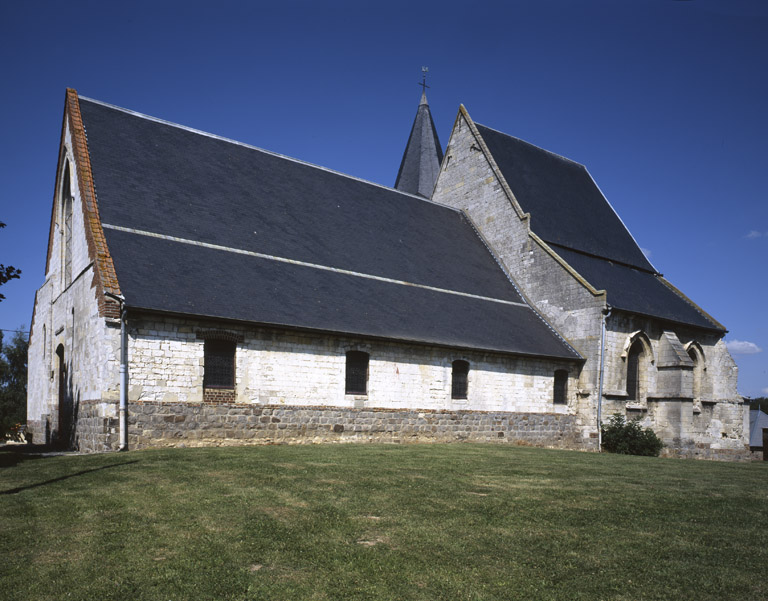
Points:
(423, 155)
(569, 212)
(205, 226)
(566, 206)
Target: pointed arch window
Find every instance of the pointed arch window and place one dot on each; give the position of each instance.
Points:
(66, 214)
(698, 367)
(459, 379)
(633, 371)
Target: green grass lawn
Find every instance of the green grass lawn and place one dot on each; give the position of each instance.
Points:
(381, 522)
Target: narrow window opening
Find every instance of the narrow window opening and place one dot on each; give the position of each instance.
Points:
(561, 387)
(459, 379)
(66, 195)
(219, 364)
(357, 373)
(633, 371)
(696, 373)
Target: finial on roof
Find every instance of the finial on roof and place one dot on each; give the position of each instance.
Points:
(424, 86)
(423, 155)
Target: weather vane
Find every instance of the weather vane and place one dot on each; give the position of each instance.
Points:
(423, 84)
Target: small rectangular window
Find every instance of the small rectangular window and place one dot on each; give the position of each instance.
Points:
(219, 364)
(459, 379)
(561, 387)
(357, 373)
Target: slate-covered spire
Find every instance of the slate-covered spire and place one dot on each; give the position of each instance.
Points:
(423, 155)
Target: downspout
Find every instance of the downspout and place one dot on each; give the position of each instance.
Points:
(123, 412)
(605, 315)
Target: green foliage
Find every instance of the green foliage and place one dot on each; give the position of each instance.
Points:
(13, 382)
(760, 402)
(630, 438)
(7, 273)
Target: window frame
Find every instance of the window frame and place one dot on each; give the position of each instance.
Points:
(219, 348)
(459, 379)
(634, 359)
(356, 363)
(560, 387)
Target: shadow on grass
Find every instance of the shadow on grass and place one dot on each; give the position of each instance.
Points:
(19, 489)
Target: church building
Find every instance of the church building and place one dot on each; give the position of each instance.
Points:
(201, 291)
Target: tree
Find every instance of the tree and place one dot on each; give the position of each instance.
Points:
(13, 381)
(7, 273)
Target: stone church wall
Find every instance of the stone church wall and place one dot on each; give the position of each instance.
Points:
(468, 182)
(303, 375)
(708, 420)
(282, 367)
(710, 424)
(199, 424)
(66, 323)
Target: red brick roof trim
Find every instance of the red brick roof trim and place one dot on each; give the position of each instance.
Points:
(104, 276)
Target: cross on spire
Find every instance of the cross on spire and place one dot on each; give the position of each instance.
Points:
(423, 84)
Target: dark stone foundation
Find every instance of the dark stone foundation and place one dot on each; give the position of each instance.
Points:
(201, 424)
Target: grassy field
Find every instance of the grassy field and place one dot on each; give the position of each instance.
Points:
(381, 522)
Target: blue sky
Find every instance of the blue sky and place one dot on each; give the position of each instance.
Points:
(664, 101)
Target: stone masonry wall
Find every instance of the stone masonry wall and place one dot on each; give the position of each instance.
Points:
(94, 431)
(66, 319)
(467, 181)
(197, 424)
(273, 367)
(715, 419)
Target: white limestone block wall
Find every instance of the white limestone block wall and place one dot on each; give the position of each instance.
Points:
(66, 316)
(289, 368)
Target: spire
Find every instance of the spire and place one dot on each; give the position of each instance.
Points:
(423, 154)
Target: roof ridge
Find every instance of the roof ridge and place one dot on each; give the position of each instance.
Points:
(258, 149)
(544, 150)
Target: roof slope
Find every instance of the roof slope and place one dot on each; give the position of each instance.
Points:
(635, 290)
(565, 204)
(201, 225)
(570, 213)
(423, 155)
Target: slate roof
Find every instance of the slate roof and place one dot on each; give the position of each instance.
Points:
(634, 290)
(423, 155)
(569, 212)
(209, 227)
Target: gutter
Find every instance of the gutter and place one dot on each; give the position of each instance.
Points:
(606, 313)
(123, 414)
